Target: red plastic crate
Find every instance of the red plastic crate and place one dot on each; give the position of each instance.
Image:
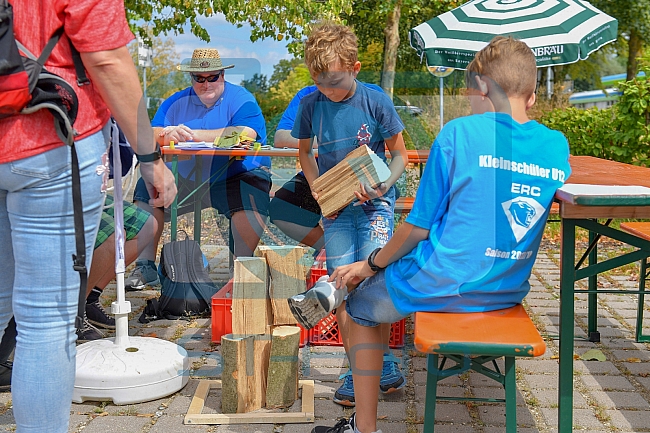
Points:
(222, 315)
(326, 332)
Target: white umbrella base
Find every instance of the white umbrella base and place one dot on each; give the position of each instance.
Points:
(144, 369)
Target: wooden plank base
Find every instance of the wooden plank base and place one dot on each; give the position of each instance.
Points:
(195, 417)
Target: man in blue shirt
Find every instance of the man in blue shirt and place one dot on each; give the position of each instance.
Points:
(238, 188)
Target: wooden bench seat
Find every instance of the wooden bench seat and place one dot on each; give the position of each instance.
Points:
(471, 340)
(642, 230)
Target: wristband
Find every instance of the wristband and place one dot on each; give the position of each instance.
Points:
(150, 157)
(371, 261)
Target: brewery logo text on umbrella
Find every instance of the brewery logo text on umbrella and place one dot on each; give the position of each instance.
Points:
(558, 31)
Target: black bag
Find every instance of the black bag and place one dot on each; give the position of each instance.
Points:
(186, 285)
(26, 86)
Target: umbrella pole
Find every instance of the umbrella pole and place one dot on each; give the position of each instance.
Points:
(127, 369)
(442, 106)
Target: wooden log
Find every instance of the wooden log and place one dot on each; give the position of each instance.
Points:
(235, 397)
(336, 187)
(251, 307)
(245, 370)
(282, 384)
(288, 276)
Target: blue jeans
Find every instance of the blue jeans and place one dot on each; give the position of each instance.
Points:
(358, 230)
(38, 284)
(370, 304)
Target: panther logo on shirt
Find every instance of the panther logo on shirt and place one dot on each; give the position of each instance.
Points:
(363, 135)
(522, 214)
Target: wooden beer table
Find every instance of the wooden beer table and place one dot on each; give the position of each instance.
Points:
(414, 157)
(605, 190)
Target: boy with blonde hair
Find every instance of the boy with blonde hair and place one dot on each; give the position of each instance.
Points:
(470, 242)
(341, 115)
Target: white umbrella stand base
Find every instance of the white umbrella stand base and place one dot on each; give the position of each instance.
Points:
(140, 369)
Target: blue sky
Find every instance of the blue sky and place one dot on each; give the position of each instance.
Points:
(235, 47)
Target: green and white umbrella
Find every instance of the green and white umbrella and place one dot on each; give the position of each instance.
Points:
(558, 31)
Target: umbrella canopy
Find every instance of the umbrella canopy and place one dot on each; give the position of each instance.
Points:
(558, 31)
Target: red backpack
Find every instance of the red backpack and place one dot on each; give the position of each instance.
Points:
(26, 86)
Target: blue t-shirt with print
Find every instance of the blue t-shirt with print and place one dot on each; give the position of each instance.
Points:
(289, 116)
(484, 197)
(366, 118)
(236, 107)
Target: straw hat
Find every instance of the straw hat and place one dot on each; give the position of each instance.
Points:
(203, 60)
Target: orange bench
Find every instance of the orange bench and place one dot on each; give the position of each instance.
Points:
(471, 340)
(642, 230)
(404, 205)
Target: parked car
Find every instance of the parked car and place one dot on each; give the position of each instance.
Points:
(411, 109)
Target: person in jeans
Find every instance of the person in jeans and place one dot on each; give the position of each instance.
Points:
(39, 286)
(295, 211)
(471, 240)
(237, 187)
(138, 227)
(341, 115)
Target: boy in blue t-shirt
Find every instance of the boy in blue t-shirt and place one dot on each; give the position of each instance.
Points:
(478, 218)
(341, 116)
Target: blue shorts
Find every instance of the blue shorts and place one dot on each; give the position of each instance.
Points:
(358, 230)
(370, 304)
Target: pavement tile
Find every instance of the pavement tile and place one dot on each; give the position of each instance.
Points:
(174, 424)
(77, 422)
(495, 415)
(595, 367)
(629, 420)
(116, 424)
(541, 381)
(606, 383)
(620, 400)
(447, 413)
(637, 368)
(245, 428)
(582, 419)
(549, 398)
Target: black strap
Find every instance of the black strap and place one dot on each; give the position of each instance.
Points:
(49, 46)
(82, 78)
(79, 259)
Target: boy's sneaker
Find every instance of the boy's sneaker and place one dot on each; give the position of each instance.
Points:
(314, 305)
(345, 394)
(96, 315)
(342, 426)
(144, 274)
(88, 332)
(391, 380)
(5, 376)
(392, 377)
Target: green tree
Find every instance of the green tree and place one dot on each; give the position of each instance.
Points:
(257, 84)
(388, 23)
(163, 79)
(633, 27)
(282, 69)
(277, 19)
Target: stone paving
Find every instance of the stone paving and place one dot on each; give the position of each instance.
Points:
(610, 396)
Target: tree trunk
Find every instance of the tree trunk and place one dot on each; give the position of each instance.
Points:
(282, 385)
(245, 369)
(635, 45)
(391, 43)
(288, 274)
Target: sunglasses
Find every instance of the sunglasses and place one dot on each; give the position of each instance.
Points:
(210, 78)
